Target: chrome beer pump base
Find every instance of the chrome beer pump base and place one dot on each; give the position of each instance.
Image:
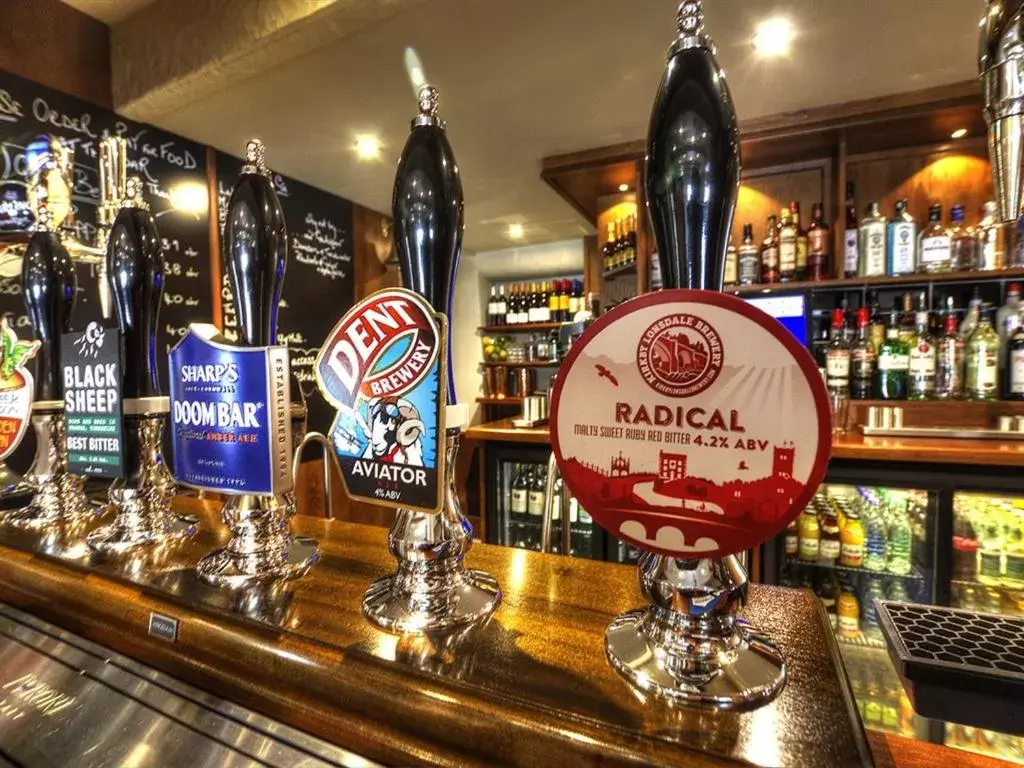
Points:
(142, 509)
(261, 549)
(432, 591)
(59, 497)
(688, 646)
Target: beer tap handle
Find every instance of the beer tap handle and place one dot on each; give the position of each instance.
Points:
(49, 285)
(428, 211)
(255, 250)
(135, 277)
(692, 167)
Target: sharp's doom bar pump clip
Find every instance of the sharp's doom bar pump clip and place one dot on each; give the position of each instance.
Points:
(231, 410)
(135, 270)
(49, 286)
(713, 429)
(397, 429)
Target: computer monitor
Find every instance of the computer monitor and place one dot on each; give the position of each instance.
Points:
(789, 310)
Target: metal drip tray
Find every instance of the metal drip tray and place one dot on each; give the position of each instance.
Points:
(65, 701)
(958, 665)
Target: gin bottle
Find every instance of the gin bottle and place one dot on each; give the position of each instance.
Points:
(902, 241)
(872, 243)
(934, 245)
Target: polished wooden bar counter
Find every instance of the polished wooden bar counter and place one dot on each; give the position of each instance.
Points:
(531, 688)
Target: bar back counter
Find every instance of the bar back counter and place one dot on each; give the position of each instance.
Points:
(531, 687)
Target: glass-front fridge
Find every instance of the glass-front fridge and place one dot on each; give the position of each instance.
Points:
(987, 576)
(851, 545)
(517, 495)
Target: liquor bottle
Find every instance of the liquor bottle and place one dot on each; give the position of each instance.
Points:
(871, 238)
(502, 306)
(731, 276)
(921, 382)
(963, 243)
(631, 237)
(862, 359)
(770, 253)
(1007, 323)
(972, 316)
(787, 247)
(608, 252)
(949, 362)
(851, 250)
(877, 329)
(907, 318)
(934, 245)
(819, 245)
(802, 246)
(902, 237)
(981, 377)
(565, 302)
(553, 302)
(492, 306)
(830, 545)
(748, 258)
(837, 358)
(620, 244)
(810, 536)
(1015, 366)
(518, 493)
(992, 239)
(893, 363)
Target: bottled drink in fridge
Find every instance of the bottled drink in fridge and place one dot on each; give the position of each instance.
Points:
(848, 611)
(901, 541)
(851, 540)
(872, 591)
(810, 536)
(829, 546)
(793, 539)
(875, 540)
(535, 505)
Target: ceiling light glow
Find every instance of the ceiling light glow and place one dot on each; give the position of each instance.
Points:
(959, 133)
(367, 147)
(623, 187)
(515, 231)
(773, 37)
(190, 197)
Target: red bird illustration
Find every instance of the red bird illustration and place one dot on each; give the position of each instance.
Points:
(604, 373)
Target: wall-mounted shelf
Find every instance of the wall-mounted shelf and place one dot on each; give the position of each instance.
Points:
(519, 328)
(625, 269)
(859, 283)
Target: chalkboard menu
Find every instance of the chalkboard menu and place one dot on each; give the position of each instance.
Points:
(319, 284)
(162, 160)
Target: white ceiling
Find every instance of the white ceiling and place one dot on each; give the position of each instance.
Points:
(526, 79)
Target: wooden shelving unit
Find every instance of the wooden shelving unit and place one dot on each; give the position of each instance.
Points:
(625, 269)
(519, 328)
(858, 283)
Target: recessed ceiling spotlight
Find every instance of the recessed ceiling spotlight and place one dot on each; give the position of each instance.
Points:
(515, 231)
(773, 37)
(623, 187)
(367, 147)
(959, 133)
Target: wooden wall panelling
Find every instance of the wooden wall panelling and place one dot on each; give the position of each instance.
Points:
(593, 274)
(765, 192)
(57, 46)
(955, 173)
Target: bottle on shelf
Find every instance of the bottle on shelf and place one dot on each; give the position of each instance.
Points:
(574, 301)
(923, 358)
(901, 542)
(819, 245)
(851, 252)
(492, 306)
(793, 539)
(1007, 322)
(631, 238)
(907, 316)
(565, 302)
(847, 610)
(748, 258)
(787, 247)
(851, 540)
(990, 556)
(902, 240)
(731, 275)
(802, 244)
(934, 245)
(608, 251)
(981, 378)
(971, 316)
(830, 545)
(525, 303)
(770, 253)
(1014, 389)
(862, 359)
(837, 357)
(518, 493)
(949, 362)
(871, 238)
(893, 363)
(536, 497)
(553, 316)
(993, 238)
(872, 590)
(827, 589)
(963, 243)
(809, 536)
(877, 327)
(502, 306)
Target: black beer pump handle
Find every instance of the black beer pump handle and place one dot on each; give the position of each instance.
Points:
(50, 287)
(255, 249)
(428, 210)
(692, 166)
(135, 275)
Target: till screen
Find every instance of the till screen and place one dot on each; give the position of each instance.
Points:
(788, 310)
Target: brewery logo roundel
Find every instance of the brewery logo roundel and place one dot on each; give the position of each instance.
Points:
(691, 424)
